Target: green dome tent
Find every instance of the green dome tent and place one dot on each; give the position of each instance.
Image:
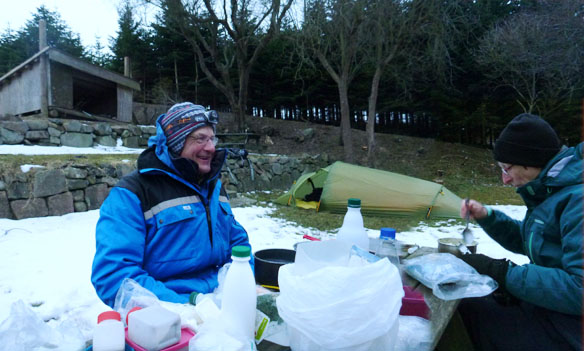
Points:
(381, 192)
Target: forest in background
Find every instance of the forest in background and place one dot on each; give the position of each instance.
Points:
(454, 70)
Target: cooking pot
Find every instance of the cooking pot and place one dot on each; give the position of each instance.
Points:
(267, 264)
(451, 245)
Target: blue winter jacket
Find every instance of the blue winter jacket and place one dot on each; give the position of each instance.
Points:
(550, 235)
(168, 232)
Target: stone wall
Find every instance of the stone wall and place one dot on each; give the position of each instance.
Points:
(59, 189)
(62, 132)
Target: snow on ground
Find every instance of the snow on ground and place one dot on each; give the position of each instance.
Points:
(46, 262)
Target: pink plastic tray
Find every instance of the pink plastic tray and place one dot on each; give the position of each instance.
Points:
(413, 304)
(183, 345)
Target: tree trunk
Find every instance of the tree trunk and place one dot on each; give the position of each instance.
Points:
(242, 96)
(345, 121)
(177, 93)
(371, 161)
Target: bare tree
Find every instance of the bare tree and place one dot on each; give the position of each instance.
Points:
(228, 36)
(405, 37)
(391, 29)
(334, 33)
(538, 53)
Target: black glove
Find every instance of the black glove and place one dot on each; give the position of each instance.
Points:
(496, 269)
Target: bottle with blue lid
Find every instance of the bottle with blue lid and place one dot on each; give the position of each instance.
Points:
(388, 246)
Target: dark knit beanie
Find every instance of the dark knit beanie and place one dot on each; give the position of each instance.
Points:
(527, 140)
(181, 120)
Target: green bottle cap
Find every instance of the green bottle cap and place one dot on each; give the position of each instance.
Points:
(193, 297)
(241, 251)
(354, 203)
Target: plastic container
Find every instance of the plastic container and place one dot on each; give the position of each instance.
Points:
(414, 304)
(108, 335)
(352, 231)
(182, 345)
(388, 246)
(154, 327)
(238, 304)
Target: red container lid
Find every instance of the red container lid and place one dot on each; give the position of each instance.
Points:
(132, 310)
(108, 315)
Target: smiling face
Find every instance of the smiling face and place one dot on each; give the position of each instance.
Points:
(200, 147)
(517, 175)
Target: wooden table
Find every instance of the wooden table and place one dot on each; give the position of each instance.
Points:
(441, 311)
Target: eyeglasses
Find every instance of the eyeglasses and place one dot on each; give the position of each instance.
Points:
(203, 139)
(506, 170)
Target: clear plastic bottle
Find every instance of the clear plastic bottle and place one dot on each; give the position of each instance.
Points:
(109, 334)
(239, 301)
(388, 246)
(352, 231)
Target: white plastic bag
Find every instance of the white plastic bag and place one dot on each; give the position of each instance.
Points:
(448, 276)
(340, 307)
(212, 336)
(415, 334)
(131, 294)
(25, 330)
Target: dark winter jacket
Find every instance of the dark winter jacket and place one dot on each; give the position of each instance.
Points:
(168, 232)
(550, 235)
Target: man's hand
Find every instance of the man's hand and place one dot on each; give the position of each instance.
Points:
(474, 208)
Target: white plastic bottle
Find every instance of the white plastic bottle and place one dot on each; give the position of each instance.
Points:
(388, 246)
(352, 231)
(239, 301)
(109, 334)
(196, 297)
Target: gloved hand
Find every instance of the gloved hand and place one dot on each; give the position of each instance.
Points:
(495, 268)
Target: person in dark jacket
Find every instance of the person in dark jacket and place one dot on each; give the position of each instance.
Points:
(168, 225)
(538, 305)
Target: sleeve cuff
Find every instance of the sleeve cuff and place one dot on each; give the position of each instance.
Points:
(489, 211)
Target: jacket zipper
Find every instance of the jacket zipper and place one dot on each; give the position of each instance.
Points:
(529, 247)
(531, 241)
(209, 222)
(212, 184)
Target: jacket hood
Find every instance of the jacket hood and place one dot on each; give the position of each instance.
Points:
(158, 144)
(565, 168)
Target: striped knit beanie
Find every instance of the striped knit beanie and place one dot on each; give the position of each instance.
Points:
(181, 120)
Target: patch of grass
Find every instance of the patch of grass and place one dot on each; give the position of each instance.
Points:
(327, 221)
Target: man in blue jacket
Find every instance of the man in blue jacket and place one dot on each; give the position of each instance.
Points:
(538, 305)
(168, 225)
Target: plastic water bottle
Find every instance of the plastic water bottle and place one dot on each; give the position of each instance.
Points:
(206, 306)
(388, 246)
(352, 231)
(109, 334)
(196, 297)
(239, 301)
